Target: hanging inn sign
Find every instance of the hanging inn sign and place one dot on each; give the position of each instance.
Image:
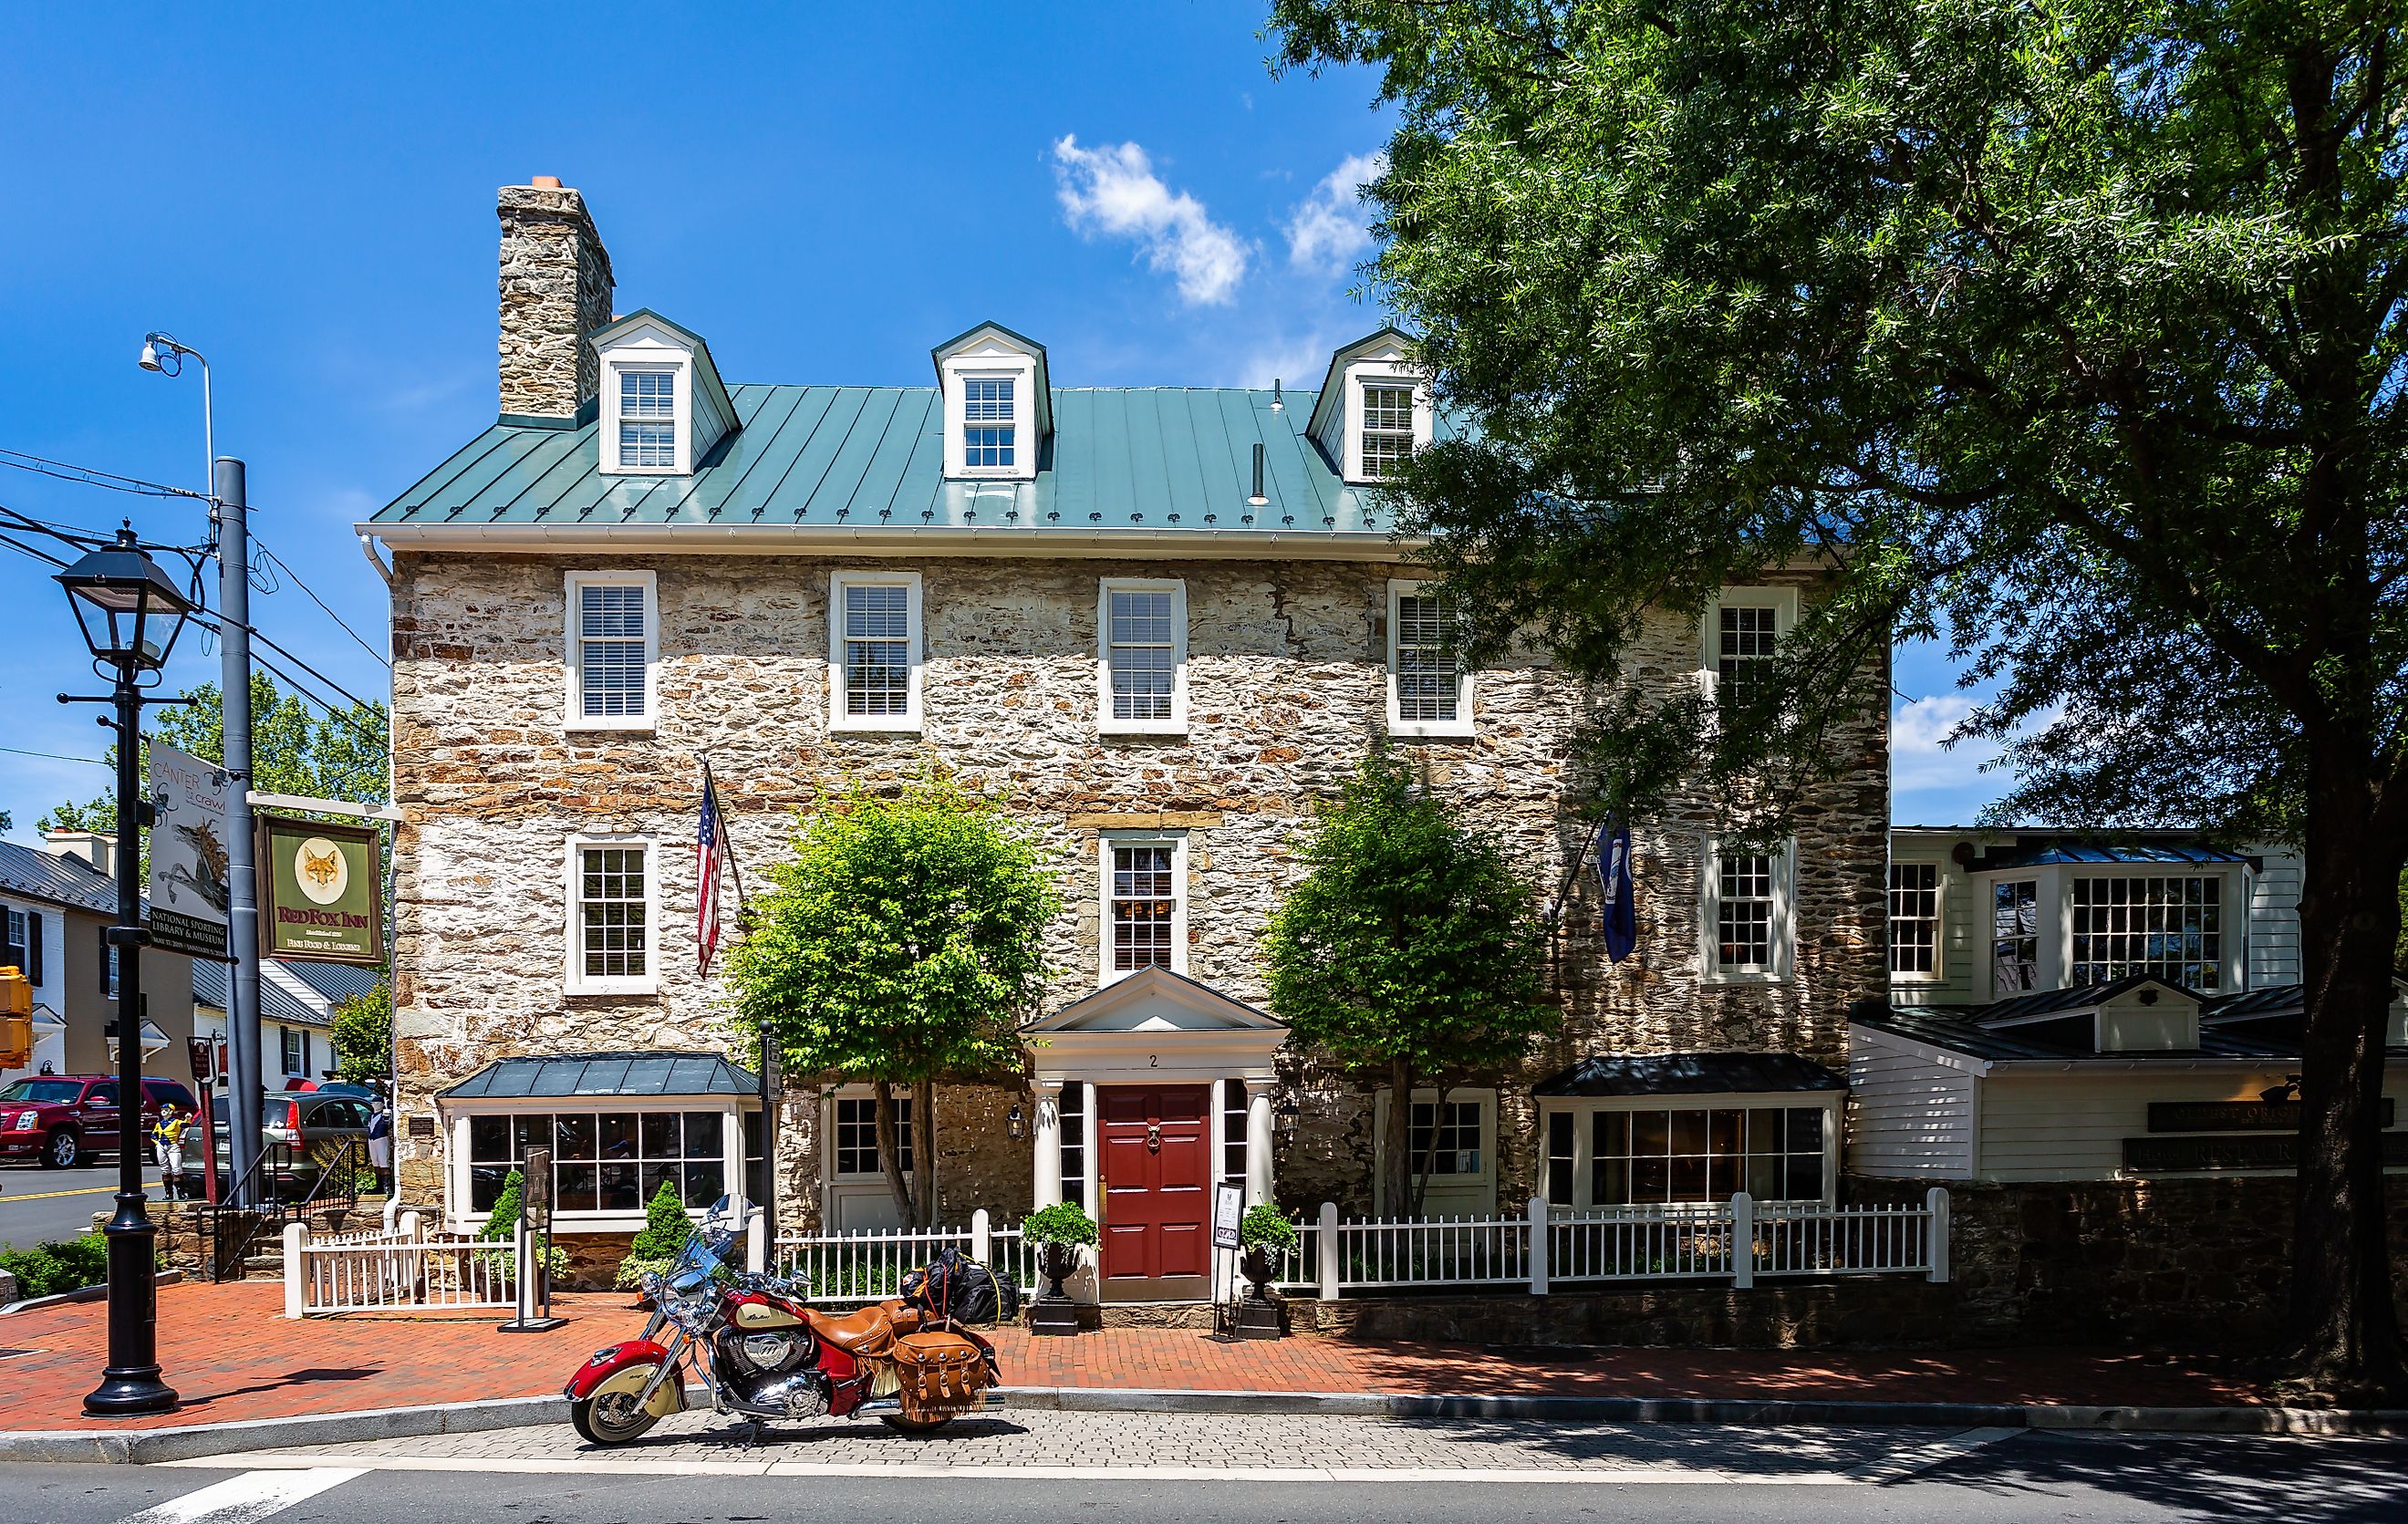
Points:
(321, 892)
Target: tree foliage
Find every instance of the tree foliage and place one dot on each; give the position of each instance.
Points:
(902, 944)
(2070, 330)
(361, 1027)
(1410, 948)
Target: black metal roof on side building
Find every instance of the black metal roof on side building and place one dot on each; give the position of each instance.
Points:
(565, 1075)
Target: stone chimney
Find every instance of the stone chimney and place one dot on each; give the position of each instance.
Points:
(91, 846)
(555, 287)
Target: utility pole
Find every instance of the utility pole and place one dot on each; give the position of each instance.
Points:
(243, 1078)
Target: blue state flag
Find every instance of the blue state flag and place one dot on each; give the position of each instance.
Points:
(1621, 896)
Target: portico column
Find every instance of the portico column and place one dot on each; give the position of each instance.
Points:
(1258, 1140)
(1048, 1135)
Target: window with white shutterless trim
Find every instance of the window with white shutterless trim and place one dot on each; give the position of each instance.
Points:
(647, 418)
(613, 650)
(1142, 657)
(990, 424)
(1144, 923)
(1740, 639)
(1747, 920)
(614, 897)
(1429, 687)
(874, 650)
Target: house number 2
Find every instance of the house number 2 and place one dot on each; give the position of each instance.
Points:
(1154, 1060)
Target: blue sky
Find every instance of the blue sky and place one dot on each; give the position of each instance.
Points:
(306, 195)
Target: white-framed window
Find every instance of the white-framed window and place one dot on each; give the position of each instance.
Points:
(854, 1136)
(1234, 1119)
(614, 897)
(1457, 1140)
(1429, 687)
(1740, 639)
(108, 955)
(1914, 920)
(1070, 1114)
(2015, 937)
(613, 649)
(646, 413)
(1142, 657)
(1144, 905)
(2170, 924)
(609, 1157)
(990, 424)
(24, 946)
(1748, 924)
(874, 650)
(1388, 427)
(296, 1050)
(647, 418)
(1644, 1151)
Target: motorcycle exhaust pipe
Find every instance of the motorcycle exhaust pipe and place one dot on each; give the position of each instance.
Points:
(880, 1406)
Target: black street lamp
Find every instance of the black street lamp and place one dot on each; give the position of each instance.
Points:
(129, 614)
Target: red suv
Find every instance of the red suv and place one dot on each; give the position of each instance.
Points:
(60, 1118)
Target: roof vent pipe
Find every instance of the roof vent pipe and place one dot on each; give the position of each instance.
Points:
(1259, 499)
(1279, 403)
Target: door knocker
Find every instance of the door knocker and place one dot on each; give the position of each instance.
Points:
(1154, 1137)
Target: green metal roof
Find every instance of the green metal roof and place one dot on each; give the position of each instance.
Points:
(1161, 460)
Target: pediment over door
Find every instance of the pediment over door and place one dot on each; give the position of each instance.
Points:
(1156, 1025)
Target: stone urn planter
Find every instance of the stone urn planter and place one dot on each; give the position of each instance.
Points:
(1053, 1313)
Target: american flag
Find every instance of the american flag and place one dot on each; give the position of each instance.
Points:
(714, 864)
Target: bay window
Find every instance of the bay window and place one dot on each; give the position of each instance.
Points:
(1646, 1153)
(613, 1162)
(2170, 926)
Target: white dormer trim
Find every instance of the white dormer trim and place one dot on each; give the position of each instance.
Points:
(1381, 359)
(991, 352)
(703, 413)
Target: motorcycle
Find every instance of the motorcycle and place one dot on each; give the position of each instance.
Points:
(764, 1353)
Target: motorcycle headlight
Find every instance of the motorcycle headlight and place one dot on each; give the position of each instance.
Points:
(649, 1282)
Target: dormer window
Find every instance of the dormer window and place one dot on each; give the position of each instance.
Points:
(1387, 431)
(648, 418)
(989, 430)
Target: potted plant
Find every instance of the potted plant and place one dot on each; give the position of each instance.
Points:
(1267, 1238)
(1059, 1232)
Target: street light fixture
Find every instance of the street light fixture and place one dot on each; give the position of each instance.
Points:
(130, 613)
(164, 355)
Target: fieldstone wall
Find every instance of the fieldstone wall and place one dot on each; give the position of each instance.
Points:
(555, 290)
(1286, 674)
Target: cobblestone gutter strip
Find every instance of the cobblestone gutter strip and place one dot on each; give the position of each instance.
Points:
(146, 1446)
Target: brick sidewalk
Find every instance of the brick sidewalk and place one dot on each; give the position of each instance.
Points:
(231, 1356)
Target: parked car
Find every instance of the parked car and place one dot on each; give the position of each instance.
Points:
(301, 1133)
(61, 1119)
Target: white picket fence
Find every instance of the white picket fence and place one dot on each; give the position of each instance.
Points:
(868, 1265)
(398, 1268)
(1546, 1246)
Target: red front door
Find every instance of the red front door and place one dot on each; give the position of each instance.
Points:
(1157, 1174)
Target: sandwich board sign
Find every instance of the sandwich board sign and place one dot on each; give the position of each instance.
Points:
(189, 880)
(1226, 1210)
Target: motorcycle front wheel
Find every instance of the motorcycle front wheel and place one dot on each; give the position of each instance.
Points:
(610, 1418)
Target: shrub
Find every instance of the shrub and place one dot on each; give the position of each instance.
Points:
(49, 1270)
(666, 1229)
(38, 1273)
(1065, 1222)
(504, 1225)
(1266, 1227)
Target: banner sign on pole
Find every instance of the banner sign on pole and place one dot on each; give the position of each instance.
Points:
(188, 890)
(321, 892)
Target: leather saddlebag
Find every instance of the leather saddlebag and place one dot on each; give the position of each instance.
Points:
(939, 1373)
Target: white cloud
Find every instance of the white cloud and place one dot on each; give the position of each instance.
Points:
(1326, 229)
(1920, 760)
(1114, 190)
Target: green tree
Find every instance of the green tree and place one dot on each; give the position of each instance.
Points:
(2069, 329)
(293, 750)
(1410, 948)
(902, 944)
(363, 1031)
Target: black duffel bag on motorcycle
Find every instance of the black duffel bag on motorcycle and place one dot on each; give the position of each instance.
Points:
(956, 1286)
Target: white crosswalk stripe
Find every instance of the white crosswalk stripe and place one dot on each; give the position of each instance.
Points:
(245, 1499)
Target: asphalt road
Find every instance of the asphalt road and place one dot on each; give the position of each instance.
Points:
(1986, 1477)
(37, 1205)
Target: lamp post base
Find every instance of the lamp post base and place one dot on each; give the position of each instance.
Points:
(130, 1383)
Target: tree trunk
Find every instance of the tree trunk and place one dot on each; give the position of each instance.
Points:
(924, 1149)
(890, 1153)
(1396, 1158)
(2343, 1318)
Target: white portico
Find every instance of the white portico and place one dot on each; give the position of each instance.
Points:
(1137, 1088)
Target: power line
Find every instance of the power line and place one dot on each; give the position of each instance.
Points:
(90, 476)
(287, 567)
(55, 757)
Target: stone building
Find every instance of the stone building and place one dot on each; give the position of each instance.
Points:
(1160, 623)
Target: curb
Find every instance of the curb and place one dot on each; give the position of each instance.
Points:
(150, 1447)
(82, 1293)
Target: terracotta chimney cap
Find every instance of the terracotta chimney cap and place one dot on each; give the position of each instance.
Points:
(546, 182)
